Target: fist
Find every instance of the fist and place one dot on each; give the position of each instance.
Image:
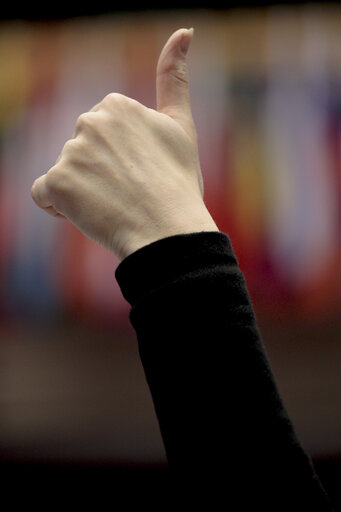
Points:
(131, 175)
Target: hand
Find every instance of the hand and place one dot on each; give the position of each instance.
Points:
(131, 175)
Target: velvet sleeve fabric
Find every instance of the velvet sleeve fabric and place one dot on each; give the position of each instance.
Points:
(226, 431)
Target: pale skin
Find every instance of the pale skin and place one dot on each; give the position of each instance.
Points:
(131, 175)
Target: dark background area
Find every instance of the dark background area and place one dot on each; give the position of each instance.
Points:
(86, 407)
(62, 10)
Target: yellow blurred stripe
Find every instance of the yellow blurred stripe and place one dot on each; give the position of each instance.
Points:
(15, 70)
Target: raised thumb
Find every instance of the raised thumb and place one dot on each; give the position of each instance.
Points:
(172, 93)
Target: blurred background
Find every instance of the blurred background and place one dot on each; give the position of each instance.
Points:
(265, 85)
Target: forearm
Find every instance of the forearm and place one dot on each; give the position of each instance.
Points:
(211, 382)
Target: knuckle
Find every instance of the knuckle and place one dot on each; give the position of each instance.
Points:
(35, 189)
(73, 155)
(84, 121)
(117, 100)
(113, 99)
(72, 148)
(56, 181)
(51, 181)
(68, 146)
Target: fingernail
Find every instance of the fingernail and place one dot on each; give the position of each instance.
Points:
(186, 40)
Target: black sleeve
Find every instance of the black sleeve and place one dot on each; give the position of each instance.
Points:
(225, 429)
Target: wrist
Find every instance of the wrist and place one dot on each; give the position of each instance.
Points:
(181, 224)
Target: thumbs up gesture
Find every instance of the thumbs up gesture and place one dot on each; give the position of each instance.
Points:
(131, 175)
